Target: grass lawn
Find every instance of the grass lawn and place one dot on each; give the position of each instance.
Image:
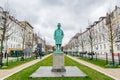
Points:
(24, 74)
(98, 62)
(12, 64)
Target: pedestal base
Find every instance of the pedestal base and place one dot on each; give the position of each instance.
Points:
(58, 63)
(58, 70)
(45, 72)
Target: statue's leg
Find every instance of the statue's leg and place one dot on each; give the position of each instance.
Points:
(57, 47)
(60, 46)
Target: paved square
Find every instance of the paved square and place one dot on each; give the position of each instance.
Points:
(71, 71)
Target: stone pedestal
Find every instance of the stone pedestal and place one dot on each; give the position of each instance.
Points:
(58, 63)
(58, 70)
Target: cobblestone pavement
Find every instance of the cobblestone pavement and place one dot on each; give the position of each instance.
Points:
(113, 73)
(8, 72)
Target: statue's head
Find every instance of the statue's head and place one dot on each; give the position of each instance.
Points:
(59, 25)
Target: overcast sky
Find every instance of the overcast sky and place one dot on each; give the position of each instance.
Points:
(44, 15)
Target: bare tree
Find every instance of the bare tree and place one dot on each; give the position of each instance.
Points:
(48, 48)
(23, 38)
(5, 29)
(91, 38)
(82, 41)
(111, 32)
(22, 33)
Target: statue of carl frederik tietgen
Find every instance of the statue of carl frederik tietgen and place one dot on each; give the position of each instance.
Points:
(58, 57)
(58, 36)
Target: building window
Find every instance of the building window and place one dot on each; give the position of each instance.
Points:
(118, 38)
(104, 46)
(103, 37)
(100, 38)
(118, 47)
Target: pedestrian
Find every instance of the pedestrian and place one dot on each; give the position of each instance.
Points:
(36, 54)
(40, 52)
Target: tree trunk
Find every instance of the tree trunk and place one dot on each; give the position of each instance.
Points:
(23, 45)
(82, 47)
(112, 51)
(111, 40)
(3, 37)
(23, 39)
(1, 54)
(92, 49)
(1, 60)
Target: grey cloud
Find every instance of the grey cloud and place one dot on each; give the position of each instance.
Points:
(45, 14)
(52, 2)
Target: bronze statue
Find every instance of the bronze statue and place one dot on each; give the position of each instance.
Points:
(58, 36)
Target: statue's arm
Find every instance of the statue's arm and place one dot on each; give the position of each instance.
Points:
(62, 34)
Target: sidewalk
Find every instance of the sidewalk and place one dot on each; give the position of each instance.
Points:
(113, 73)
(6, 73)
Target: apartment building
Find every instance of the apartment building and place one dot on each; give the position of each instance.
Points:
(97, 37)
(19, 34)
(13, 31)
